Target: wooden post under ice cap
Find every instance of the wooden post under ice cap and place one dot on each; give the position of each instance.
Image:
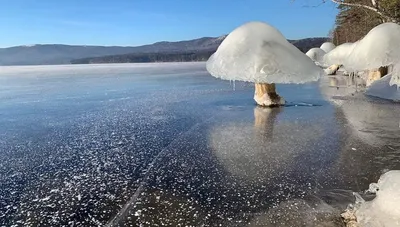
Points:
(374, 75)
(265, 95)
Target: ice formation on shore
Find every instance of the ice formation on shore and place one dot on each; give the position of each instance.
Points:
(257, 52)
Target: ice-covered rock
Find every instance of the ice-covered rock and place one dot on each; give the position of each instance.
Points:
(383, 89)
(384, 210)
(338, 55)
(380, 47)
(316, 54)
(328, 47)
(257, 52)
(331, 70)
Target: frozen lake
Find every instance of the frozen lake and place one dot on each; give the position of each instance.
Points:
(169, 145)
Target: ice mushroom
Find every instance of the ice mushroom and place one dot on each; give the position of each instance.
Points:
(338, 55)
(257, 52)
(328, 47)
(379, 49)
(335, 58)
(316, 54)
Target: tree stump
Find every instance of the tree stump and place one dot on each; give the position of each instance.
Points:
(265, 95)
(374, 75)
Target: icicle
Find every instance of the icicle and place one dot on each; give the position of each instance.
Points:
(234, 85)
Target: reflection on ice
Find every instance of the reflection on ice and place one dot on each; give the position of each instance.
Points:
(375, 122)
(267, 149)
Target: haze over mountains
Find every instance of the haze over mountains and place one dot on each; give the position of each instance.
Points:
(189, 50)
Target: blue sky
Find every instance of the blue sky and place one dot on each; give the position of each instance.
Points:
(137, 22)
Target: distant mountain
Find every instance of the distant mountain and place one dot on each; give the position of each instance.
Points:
(54, 53)
(190, 50)
(200, 51)
(306, 44)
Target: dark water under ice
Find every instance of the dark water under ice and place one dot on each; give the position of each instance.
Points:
(169, 145)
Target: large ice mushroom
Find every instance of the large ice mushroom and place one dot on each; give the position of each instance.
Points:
(335, 58)
(338, 55)
(384, 210)
(257, 52)
(379, 49)
(328, 47)
(316, 54)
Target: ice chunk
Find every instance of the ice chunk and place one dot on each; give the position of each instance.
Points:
(327, 47)
(316, 54)
(395, 80)
(257, 52)
(380, 47)
(338, 55)
(383, 88)
(384, 210)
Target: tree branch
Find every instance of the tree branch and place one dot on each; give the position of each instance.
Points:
(375, 9)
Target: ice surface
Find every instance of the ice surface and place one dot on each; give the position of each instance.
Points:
(380, 47)
(79, 146)
(316, 54)
(298, 212)
(338, 55)
(327, 47)
(257, 52)
(244, 149)
(382, 88)
(384, 210)
(96, 69)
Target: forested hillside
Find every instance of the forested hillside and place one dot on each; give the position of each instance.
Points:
(357, 17)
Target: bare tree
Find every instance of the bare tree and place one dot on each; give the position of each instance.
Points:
(372, 5)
